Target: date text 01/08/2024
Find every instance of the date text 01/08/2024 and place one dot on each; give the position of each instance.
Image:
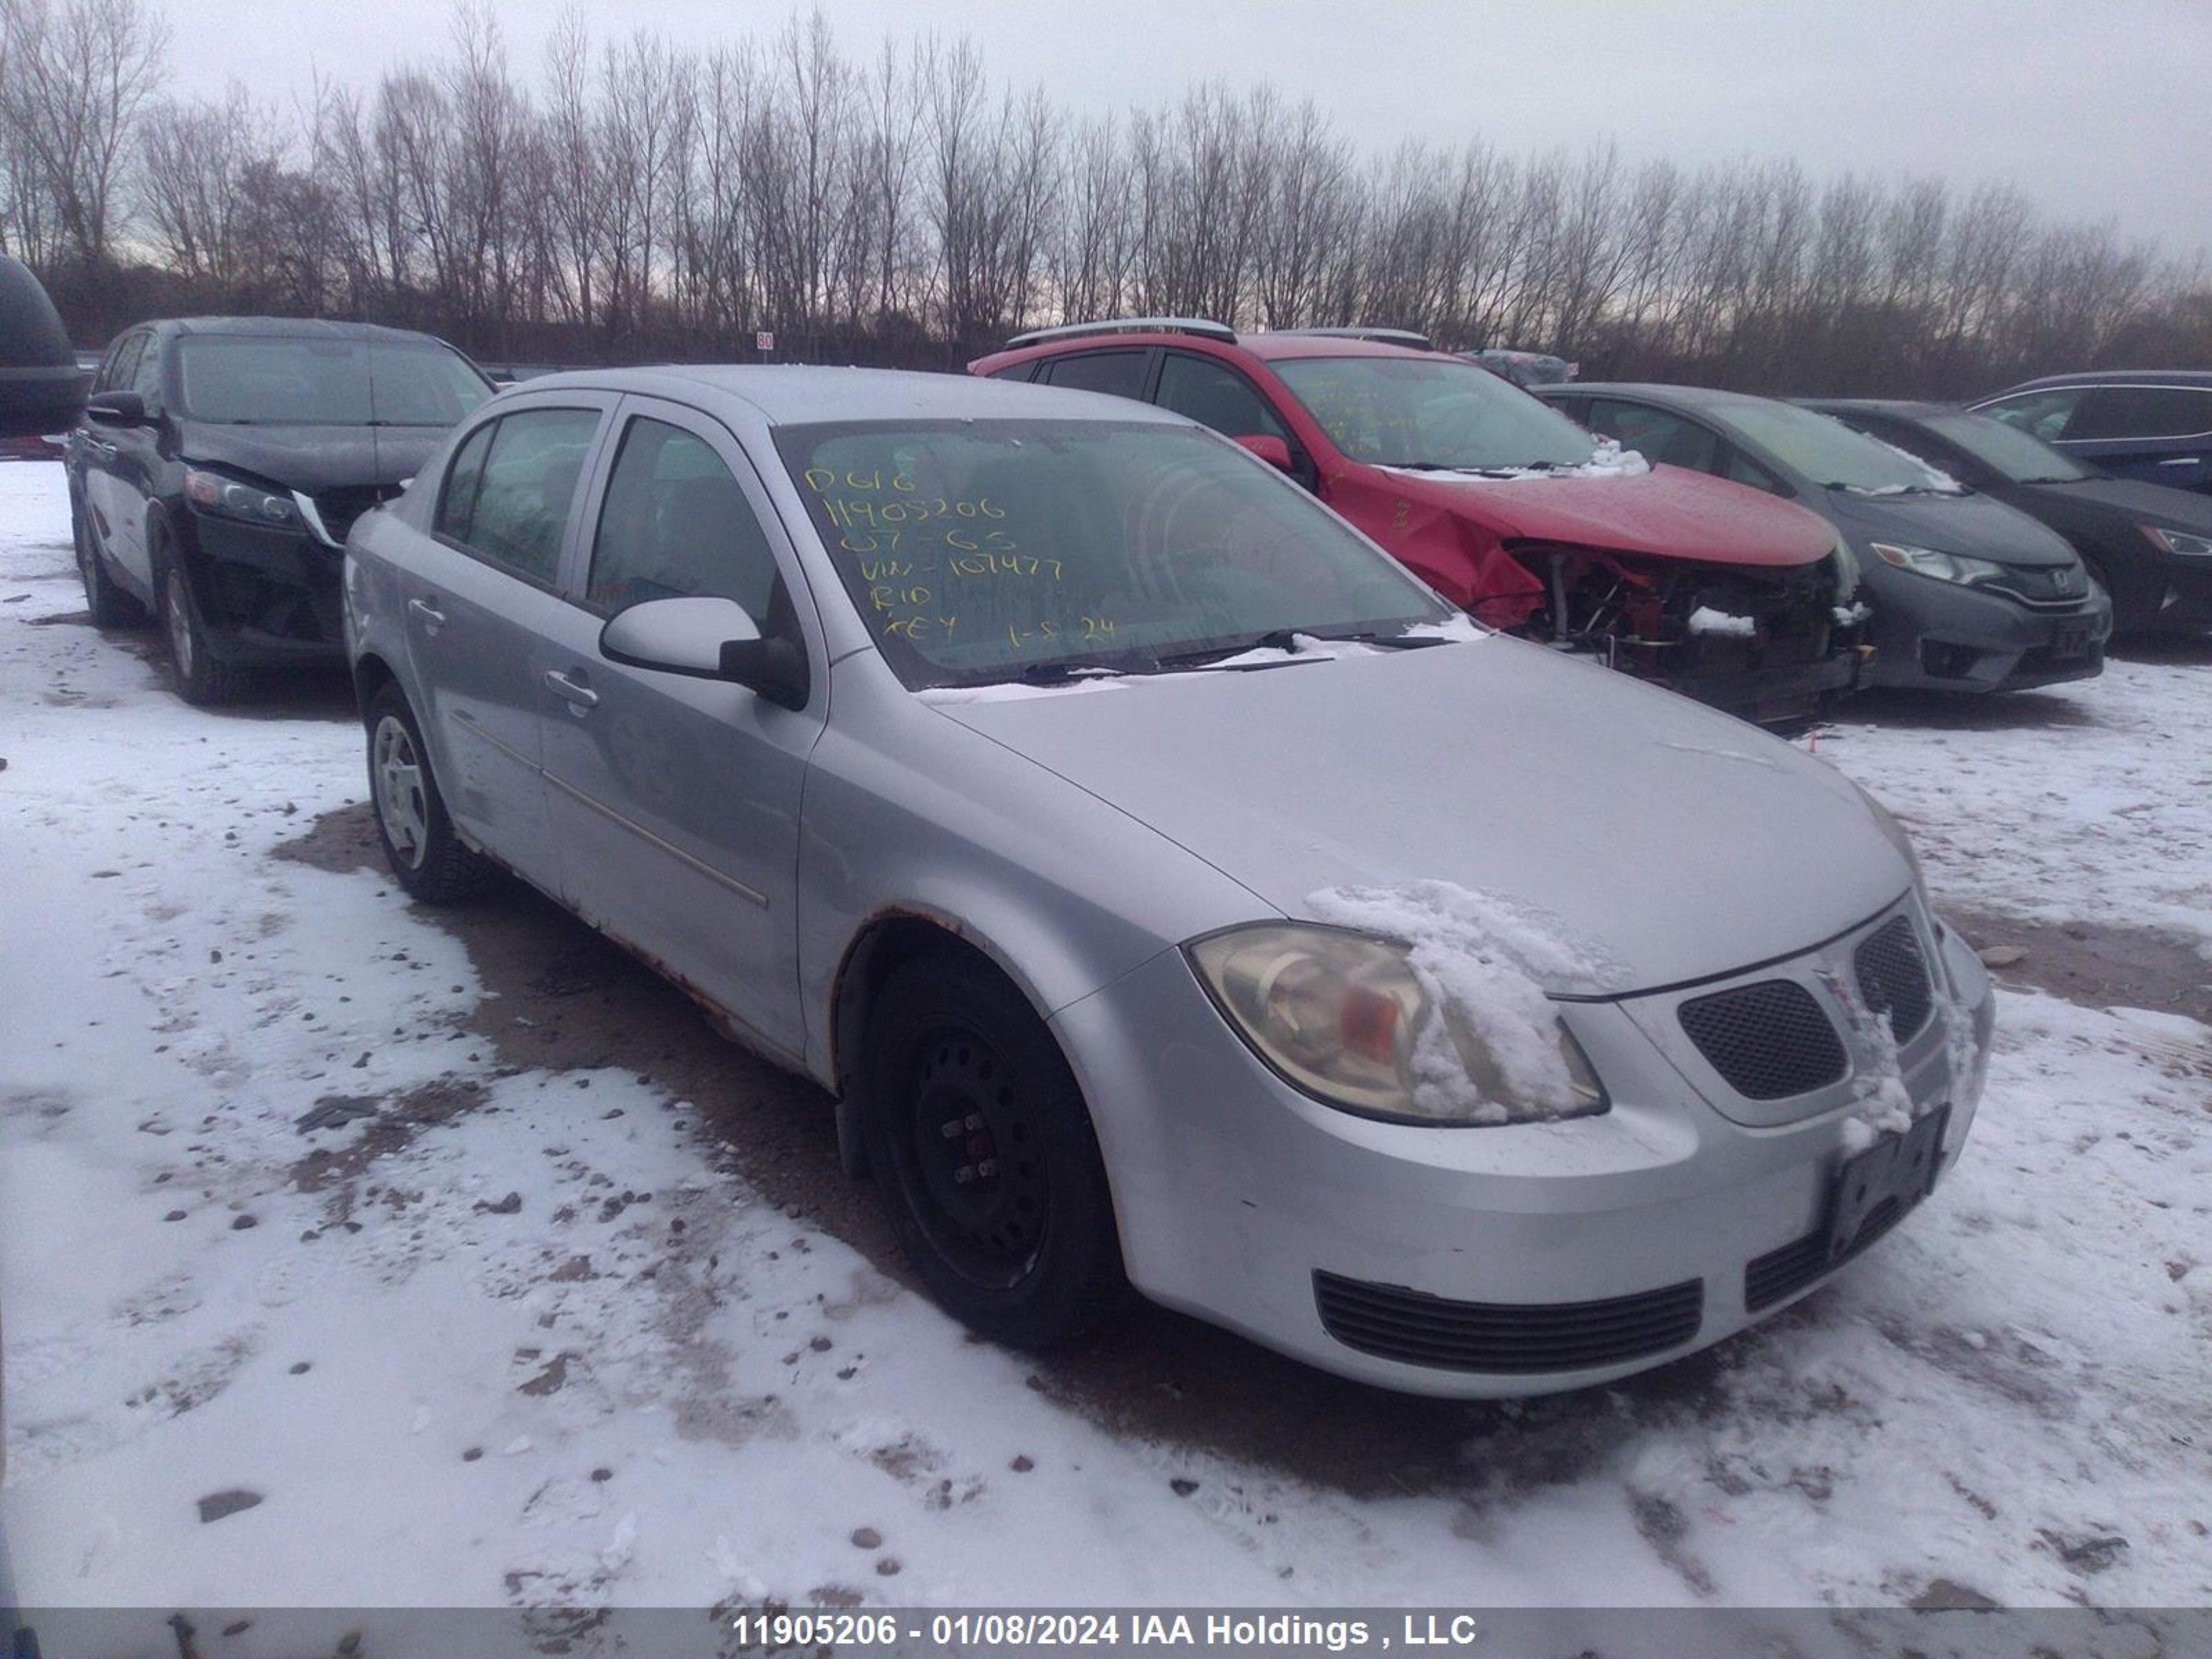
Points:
(1171, 1630)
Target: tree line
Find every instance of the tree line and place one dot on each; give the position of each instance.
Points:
(620, 199)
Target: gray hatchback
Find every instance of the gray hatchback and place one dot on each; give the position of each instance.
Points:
(1170, 890)
(1968, 594)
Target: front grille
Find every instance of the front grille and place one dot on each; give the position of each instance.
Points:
(1893, 977)
(1769, 1041)
(1780, 1274)
(1789, 606)
(2047, 585)
(1524, 1337)
(340, 506)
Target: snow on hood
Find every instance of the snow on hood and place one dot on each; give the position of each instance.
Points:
(1626, 812)
(1484, 959)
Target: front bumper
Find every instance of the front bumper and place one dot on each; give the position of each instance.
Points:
(1768, 696)
(268, 597)
(1944, 636)
(2177, 596)
(1661, 1227)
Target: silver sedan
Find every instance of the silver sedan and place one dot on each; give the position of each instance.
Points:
(1172, 890)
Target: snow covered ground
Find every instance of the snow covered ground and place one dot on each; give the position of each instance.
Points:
(489, 1333)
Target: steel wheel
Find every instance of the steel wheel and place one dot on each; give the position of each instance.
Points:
(400, 803)
(984, 1148)
(976, 1157)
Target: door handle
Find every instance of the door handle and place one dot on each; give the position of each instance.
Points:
(580, 697)
(432, 617)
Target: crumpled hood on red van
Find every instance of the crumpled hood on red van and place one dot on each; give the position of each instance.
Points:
(1669, 512)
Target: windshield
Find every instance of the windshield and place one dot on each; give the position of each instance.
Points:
(1432, 412)
(984, 550)
(1829, 452)
(244, 379)
(2018, 455)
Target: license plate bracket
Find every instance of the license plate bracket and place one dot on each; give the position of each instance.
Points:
(2069, 643)
(1898, 1171)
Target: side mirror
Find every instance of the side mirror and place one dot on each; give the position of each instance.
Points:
(117, 409)
(710, 639)
(1272, 449)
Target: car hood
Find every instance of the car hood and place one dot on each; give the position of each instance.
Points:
(2137, 498)
(1670, 510)
(1669, 842)
(312, 457)
(1978, 526)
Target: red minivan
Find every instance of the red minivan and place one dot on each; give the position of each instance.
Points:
(1712, 587)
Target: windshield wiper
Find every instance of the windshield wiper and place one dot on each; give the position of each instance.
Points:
(1059, 673)
(1275, 639)
(1499, 471)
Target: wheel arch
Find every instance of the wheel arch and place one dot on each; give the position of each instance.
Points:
(371, 674)
(887, 940)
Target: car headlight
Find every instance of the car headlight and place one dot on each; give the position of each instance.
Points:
(214, 492)
(1345, 1017)
(1887, 821)
(2178, 542)
(1944, 567)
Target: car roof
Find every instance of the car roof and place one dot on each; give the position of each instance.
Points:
(294, 328)
(2191, 377)
(1286, 345)
(1907, 409)
(785, 394)
(1684, 396)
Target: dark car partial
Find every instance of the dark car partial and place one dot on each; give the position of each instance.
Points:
(1968, 594)
(2154, 424)
(2148, 546)
(220, 463)
(41, 388)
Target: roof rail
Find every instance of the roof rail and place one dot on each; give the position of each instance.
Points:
(1197, 325)
(1397, 337)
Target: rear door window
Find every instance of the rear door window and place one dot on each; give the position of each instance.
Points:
(2143, 411)
(512, 484)
(1655, 434)
(1215, 395)
(2041, 414)
(1739, 468)
(1120, 372)
(122, 362)
(675, 524)
(146, 374)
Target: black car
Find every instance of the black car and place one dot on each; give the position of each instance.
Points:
(2150, 546)
(1968, 594)
(2154, 424)
(221, 461)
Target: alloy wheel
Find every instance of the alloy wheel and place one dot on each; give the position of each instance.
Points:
(179, 618)
(401, 804)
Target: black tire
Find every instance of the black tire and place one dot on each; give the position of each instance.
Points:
(110, 604)
(1008, 1218)
(427, 858)
(201, 678)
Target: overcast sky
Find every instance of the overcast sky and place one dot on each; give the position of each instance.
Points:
(2097, 110)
